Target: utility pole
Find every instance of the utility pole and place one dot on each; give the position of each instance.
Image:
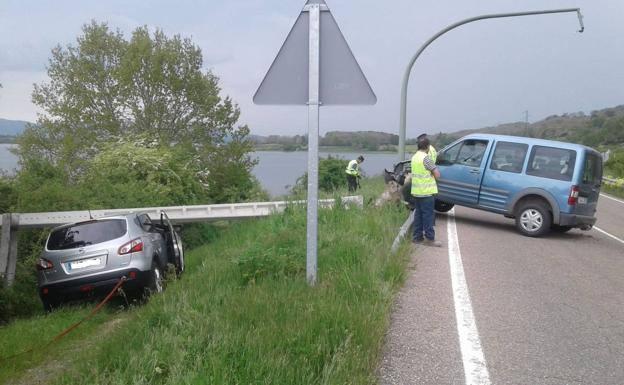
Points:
(526, 123)
(403, 113)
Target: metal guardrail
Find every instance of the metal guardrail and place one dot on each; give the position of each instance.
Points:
(11, 223)
(177, 214)
(609, 180)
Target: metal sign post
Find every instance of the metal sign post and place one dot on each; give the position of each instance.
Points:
(314, 66)
(313, 139)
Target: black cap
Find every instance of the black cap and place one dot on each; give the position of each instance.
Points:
(421, 136)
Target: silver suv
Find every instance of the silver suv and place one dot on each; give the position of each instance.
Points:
(87, 259)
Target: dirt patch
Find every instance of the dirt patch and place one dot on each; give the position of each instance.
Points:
(48, 371)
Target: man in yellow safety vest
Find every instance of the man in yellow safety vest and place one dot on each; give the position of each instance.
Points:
(424, 189)
(353, 173)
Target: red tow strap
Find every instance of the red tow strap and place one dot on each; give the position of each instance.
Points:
(74, 326)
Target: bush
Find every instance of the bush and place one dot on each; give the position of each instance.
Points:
(331, 175)
(615, 164)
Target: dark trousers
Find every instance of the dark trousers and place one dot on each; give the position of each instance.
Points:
(424, 218)
(352, 181)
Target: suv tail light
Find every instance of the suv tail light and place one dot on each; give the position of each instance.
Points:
(44, 264)
(131, 247)
(573, 197)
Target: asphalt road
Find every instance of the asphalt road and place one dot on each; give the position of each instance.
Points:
(548, 310)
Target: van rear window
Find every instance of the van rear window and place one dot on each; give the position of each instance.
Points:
(551, 162)
(86, 233)
(592, 173)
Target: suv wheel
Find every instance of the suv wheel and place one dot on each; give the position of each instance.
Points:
(49, 305)
(157, 281)
(533, 218)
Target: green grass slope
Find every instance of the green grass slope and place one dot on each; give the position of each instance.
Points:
(243, 313)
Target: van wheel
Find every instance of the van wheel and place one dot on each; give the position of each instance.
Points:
(533, 218)
(443, 207)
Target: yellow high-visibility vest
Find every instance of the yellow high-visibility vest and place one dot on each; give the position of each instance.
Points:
(423, 183)
(353, 168)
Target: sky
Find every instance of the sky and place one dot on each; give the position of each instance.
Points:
(481, 74)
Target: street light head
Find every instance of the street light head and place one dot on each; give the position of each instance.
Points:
(580, 17)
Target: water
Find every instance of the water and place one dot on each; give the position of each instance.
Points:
(8, 161)
(277, 171)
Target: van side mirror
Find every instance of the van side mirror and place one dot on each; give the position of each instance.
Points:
(441, 161)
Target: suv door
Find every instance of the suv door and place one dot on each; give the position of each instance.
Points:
(174, 244)
(461, 170)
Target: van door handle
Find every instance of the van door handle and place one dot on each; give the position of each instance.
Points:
(475, 171)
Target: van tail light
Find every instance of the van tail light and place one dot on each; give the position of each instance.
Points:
(44, 264)
(131, 247)
(573, 197)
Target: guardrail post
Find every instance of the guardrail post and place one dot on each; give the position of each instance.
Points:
(8, 248)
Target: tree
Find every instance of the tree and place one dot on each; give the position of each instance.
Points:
(106, 88)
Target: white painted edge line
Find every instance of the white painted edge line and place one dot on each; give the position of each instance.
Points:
(612, 198)
(475, 367)
(402, 232)
(609, 235)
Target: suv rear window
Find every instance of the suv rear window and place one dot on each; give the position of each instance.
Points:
(86, 233)
(551, 162)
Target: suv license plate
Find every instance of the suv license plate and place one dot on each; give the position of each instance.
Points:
(582, 200)
(84, 263)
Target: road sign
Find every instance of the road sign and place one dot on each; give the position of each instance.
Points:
(342, 81)
(314, 66)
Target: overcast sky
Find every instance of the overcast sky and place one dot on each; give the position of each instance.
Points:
(478, 75)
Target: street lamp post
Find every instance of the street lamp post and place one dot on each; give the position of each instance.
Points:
(442, 32)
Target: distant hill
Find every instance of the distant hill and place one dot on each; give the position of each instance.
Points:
(12, 127)
(360, 140)
(600, 128)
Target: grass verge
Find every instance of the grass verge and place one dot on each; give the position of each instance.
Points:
(243, 314)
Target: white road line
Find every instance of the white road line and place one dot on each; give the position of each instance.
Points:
(475, 367)
(609, 235)
(612, 198)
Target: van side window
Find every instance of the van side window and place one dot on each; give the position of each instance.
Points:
(449, 156)
(551, 162)
(471, 153)
(468, 153)
(509, 156)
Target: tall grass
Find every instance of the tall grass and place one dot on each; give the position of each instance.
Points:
(243, 313)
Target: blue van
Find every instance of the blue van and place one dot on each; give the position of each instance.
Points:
(543, 184)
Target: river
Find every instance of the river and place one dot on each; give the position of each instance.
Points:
(8, 161)
(277, 171)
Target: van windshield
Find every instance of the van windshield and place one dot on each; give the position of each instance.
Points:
(86, 233)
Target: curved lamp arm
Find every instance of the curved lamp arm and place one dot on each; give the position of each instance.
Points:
(442, 32)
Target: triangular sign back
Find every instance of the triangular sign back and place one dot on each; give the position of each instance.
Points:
(341, 78)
